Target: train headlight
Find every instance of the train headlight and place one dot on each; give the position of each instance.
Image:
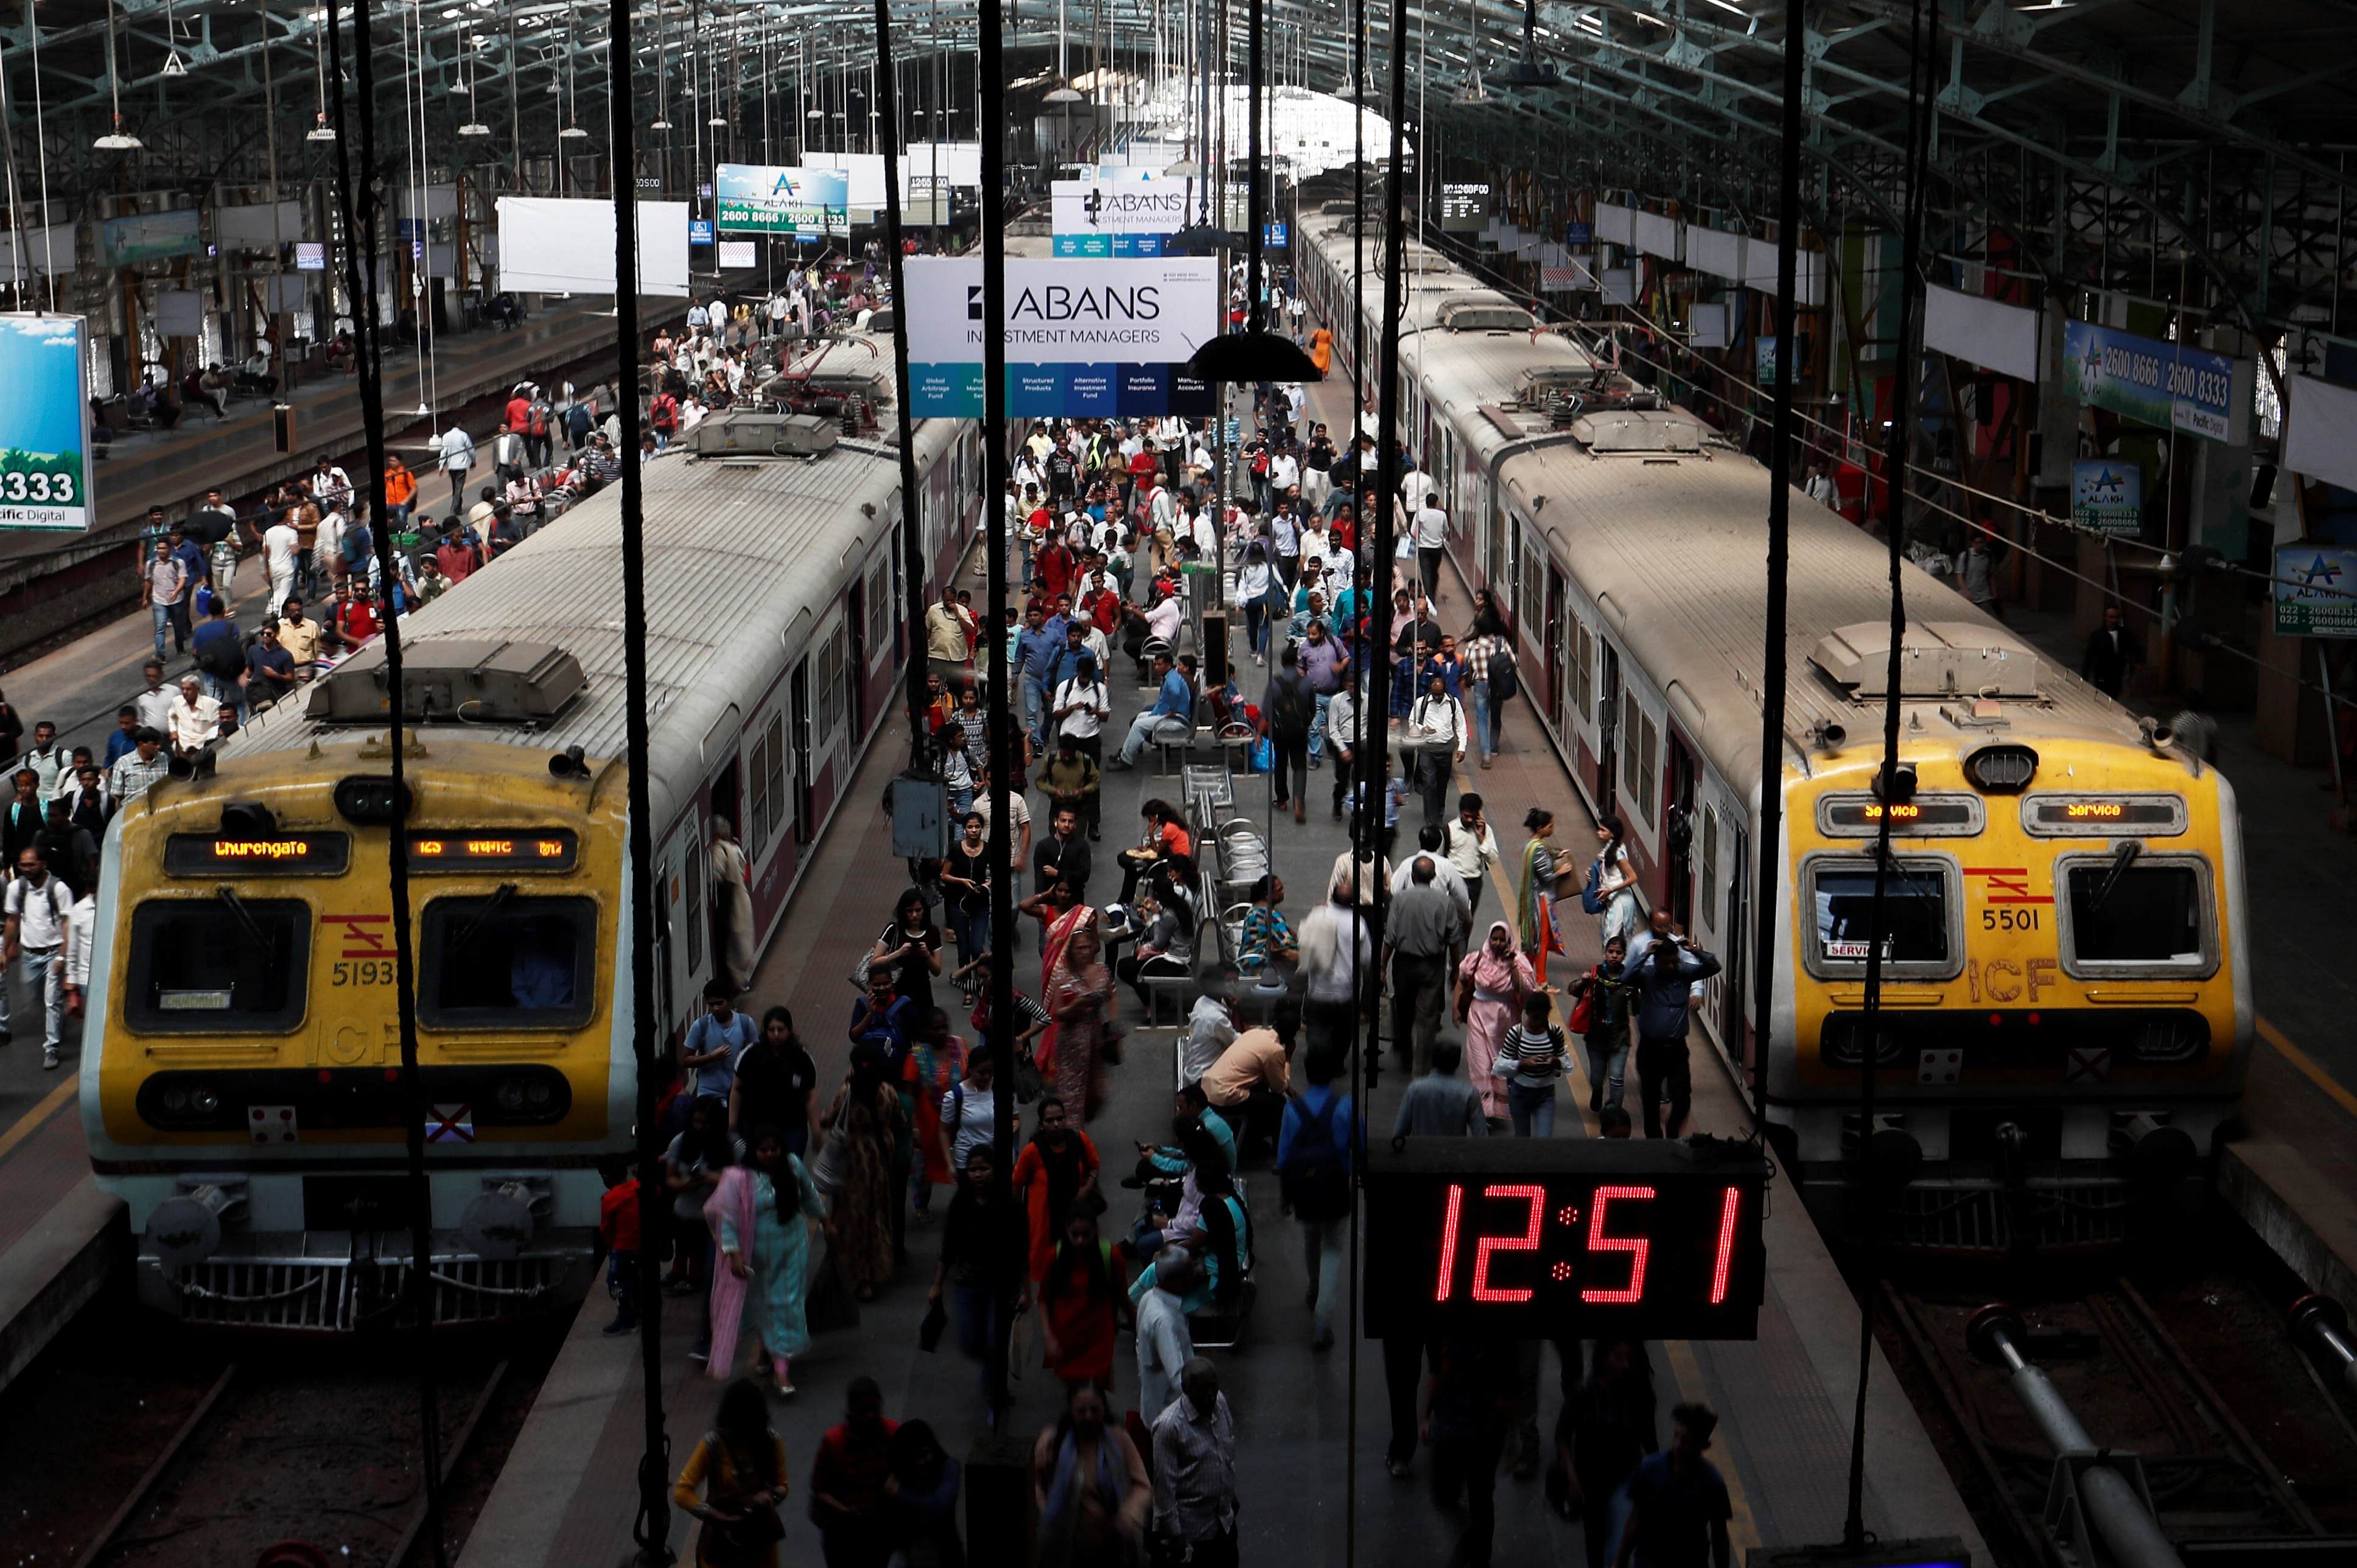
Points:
(2002, 769)
(372, 798)
(511, 1094)
(498, 1222)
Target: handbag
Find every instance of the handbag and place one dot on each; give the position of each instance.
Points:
(826, 1167)
(750, 1534)
(1263, 755)
(1590, 898)
(929, 1332)
(1027, 1086)
(1583, 1011)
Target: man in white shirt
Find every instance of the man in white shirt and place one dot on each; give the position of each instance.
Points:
(1437, 724)
(1081, 705)
(155, 699)
(1472, 843)
(458, 456)
(280, 545)
(1163, 620)
(195, 720)
(328, 546)
(1342, 741)
(1283, 472)
(36, 908)
(1431, 529)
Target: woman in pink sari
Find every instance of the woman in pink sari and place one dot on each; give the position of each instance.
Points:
(1081, 1001)
(758, 1216)
(1491, 983)
(1060, 910)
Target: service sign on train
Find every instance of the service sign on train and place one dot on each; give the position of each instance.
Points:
(45, 424)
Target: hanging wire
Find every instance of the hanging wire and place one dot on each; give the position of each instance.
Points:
(15, 206)
(1922, 47)
(357, 202)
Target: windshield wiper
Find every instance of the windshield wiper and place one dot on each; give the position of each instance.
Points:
(245, 918)
(507, 890)
(2122, 858)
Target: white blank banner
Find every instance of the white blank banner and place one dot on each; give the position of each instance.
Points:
(1808, 272)
(1715, 251)
(1987, 332)
(1613, 224)
(52, 249)
(2321, 431)
(553, 245)
(180, 313)
(287, 292)
(439, 201)
(263, 227)
(1707, 326)
(1658, 236)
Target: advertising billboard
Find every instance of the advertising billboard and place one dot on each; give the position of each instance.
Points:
(789, 200)
(2107, 494)
(1099, 338)
(150, 237)
(45, 424)
(1105, 217)
(2165, 385)
(2316, 590)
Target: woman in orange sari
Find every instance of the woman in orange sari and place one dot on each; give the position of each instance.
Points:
(1321, 349)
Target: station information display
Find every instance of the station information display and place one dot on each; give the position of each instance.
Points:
(493, 849)
(1860, 815)
(1464, 208)
(1582, 1238)
(257, 854)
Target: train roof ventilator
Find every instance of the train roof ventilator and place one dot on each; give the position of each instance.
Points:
(483, 680)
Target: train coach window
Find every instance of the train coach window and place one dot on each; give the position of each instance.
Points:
(502, 961)
(1916, 918)
(2139, 916)
(224, 964)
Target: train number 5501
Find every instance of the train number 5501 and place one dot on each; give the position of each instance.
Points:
(2008, 919)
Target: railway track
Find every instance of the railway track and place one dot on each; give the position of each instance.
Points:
(267, 1456)
(2235, 1436)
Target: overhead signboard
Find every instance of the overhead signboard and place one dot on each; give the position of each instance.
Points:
(565, 245)
(310, 256)
(2107, 494)
(52, 249)
(1588, 1237)
(1116, 217)
(699, 231)
(1464, 207)
(1084, 339)
(2316, 590)
(150, 237)
(785, 200)
(180, 313)
(259, 227)
(1982, 331)
(45, 424)
(735, 254)
(2320, 430)
(2166, 385)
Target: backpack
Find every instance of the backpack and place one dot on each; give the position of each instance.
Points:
(1314, 1179)
(1591, 900)
(665, 412)
(1503, 685)
(538, 423)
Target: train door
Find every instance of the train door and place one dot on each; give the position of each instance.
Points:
(1608, 728)
(798, 699)
(1495, 561)
(722, 908)
(1734, 942)
(855, 667)
(1678, 829)
(1556, 684)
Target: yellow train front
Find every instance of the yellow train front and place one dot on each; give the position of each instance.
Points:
(2066, 1013)
(242, 1094)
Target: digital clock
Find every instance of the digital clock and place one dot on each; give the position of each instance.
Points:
(493, 849)
(1582, 1238)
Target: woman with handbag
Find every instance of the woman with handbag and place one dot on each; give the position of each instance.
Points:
(1081, 1000)
(759, 1217)
(1492, 983)
(863, 1124)
(1544, 875)
(1612, 891)
(734, 1482)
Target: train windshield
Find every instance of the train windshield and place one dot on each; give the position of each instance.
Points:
(2136, 914)
(220, 964)
(504, 961)
(1914, 913)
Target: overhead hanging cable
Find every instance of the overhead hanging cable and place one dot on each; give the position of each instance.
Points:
(41, 153)
(357, 204)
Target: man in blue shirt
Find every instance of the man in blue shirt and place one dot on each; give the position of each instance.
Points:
(1678, 1506)
(1177, 699)
(1316, 1147)
(125, 736)
(219, 658)
(1036, 647)
(709, 1052)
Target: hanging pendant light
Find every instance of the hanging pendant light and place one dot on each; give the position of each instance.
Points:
(572, 133)
(117, 140)
(473, 127)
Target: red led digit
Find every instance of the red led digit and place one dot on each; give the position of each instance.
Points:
(1526, 1242)
(1726, 1245)
(1637, 1247)
(1448, 1285)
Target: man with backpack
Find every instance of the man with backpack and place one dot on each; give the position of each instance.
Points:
(663, 418)
(1292, 709)
(1315, 1149)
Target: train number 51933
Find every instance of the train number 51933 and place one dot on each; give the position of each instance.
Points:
(2008, 919)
